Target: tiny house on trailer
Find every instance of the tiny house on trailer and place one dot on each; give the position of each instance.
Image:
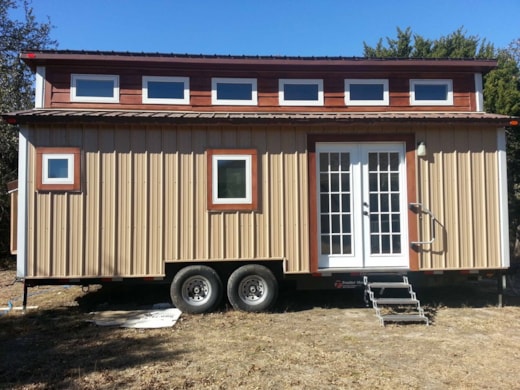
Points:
(224, 175)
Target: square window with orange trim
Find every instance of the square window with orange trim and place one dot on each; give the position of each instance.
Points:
(232, 179)
(58, 169)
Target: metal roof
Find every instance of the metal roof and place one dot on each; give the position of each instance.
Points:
(36, 57)
(121, 116)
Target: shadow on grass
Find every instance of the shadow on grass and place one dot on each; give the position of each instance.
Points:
(476, 294)
(52, 348)
(124, 296)
(292, 300)
(466, 294)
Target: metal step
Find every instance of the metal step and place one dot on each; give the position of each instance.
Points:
(396, 301)
(410, 314)
(389, 285)
(404, 318)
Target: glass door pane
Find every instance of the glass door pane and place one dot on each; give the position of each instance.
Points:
(385, 222)
(335, 209)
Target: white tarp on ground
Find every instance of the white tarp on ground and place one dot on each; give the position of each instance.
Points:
(156, 317)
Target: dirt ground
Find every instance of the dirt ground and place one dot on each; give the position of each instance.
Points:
(325, 340)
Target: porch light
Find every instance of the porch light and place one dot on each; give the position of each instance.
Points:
(421, 149)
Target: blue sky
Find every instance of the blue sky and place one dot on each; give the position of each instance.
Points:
(268, 27)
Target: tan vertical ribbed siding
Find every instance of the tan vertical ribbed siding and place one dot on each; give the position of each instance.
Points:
(275, 194)
(92, 203)
(108, 214)
(459, 183)
(140, 200)
(493, 212)
(124, 203)
(143, 199)
(200, 232)
(143, 202)
(155, 204)
(76, 236)
(171, 194)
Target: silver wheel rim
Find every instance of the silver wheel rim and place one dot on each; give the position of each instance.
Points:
(196, 290)
(253, 290)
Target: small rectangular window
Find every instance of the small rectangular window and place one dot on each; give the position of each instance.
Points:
(166, 90)
(294, 92)
(370, 92)
(232, 179)
(431, 92)
(58, 169)
(94, 88)
(229, 91)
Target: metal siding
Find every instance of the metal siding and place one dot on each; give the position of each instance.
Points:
(140, 205)
(458, 181)
(156, 202)
(275, 195)
(92, 203)
(200, 233)
(301, 263)
(493, 258)
(186, 184)
(58, 252)
(124, 202)
(76, 218)
(171, 194)
(143, 199)
(479, 220)
(262, 218)
(108, 189)
(293, 202)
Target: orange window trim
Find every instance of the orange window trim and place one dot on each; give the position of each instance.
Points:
(254, 180)
(75, 186)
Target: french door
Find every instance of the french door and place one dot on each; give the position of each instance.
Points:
(362, 205)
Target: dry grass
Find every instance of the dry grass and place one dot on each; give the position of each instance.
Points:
(311, 341)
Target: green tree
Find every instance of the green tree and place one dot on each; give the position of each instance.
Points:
(501, 85)
(16, 89)
(502, 95)
(409, 45)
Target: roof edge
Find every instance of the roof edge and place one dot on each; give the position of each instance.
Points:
(211, 117)
(33, 57)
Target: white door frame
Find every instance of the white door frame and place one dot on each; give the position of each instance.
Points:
(351, 213)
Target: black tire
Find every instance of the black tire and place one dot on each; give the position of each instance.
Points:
(196, 289)
(252, 288)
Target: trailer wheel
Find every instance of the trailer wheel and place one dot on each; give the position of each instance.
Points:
(252, 288)
(196, 289)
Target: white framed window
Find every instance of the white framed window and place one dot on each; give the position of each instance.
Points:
(366, 92)
(300, 92)
(232, 179)
(94, 88)
(58, 169)
(166, 90)
(431, 92)
(234, 91)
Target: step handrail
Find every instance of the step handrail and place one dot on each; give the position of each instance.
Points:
(420, 207)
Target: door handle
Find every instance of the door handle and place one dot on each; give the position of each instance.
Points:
(366, 212)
